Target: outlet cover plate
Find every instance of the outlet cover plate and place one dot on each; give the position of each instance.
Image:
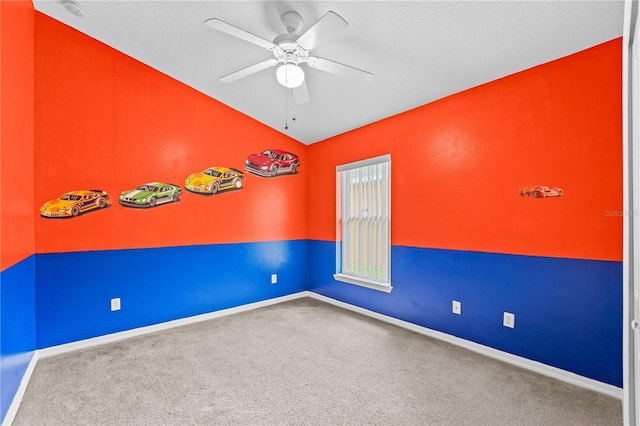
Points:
(274, 278)
(456, 307)
(509, 320)
(115, 304)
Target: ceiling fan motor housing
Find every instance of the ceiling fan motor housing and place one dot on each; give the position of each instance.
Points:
(288, 51)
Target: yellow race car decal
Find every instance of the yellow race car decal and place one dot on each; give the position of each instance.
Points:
(214, 180)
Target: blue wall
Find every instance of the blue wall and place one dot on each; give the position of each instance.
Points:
(17, 327)
(568, 311)
(73, 290)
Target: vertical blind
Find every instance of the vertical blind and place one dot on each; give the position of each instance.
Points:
(366, 219)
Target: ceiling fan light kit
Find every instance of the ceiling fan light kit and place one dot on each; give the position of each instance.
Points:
(290, 75)
(291, 49)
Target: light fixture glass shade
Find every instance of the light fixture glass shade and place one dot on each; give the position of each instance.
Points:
(290, 75)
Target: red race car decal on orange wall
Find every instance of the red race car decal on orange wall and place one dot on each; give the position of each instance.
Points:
(272, 162)
(541, 192)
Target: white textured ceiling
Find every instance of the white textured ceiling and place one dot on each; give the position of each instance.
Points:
(418, 51)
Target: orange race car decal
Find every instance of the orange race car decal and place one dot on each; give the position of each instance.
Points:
(73, 203)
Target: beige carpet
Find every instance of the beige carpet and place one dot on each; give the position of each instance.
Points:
(299, 362)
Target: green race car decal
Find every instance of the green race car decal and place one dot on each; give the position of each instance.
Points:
(150, 195)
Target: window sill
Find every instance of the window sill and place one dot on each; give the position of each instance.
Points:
(363, 282)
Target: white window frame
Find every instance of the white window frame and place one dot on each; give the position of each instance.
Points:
(373, 230)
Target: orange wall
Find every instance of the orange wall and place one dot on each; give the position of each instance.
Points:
(17, 210)
(458, 163)
(106, 121)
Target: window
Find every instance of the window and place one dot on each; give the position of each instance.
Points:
(363, 226)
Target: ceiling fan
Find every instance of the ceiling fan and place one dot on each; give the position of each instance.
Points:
(291, 50)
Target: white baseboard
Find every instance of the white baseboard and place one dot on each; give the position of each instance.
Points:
(538, 367)
(109, 338)
(528, 364)
(17, 399)
(113, 337)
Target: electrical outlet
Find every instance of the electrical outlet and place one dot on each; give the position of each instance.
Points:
(115, 304)
(509, 320)
(456, 307)
(274, 278)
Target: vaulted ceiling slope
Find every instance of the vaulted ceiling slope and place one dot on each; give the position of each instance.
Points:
(418, 51)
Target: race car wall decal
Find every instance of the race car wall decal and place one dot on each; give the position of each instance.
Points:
(214, 180)
(150, 195)
(541, 192)
(73, 203)
(272, 162)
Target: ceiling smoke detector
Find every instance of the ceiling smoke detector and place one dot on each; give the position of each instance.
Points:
(73, 8)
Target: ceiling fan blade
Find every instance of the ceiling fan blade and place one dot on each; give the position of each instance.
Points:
(301, 94)
(325, 28)
(339, 69)
(239, 33)
(252, 69)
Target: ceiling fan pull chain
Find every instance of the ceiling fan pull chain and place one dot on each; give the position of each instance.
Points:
(293, 101)
(286, 114)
